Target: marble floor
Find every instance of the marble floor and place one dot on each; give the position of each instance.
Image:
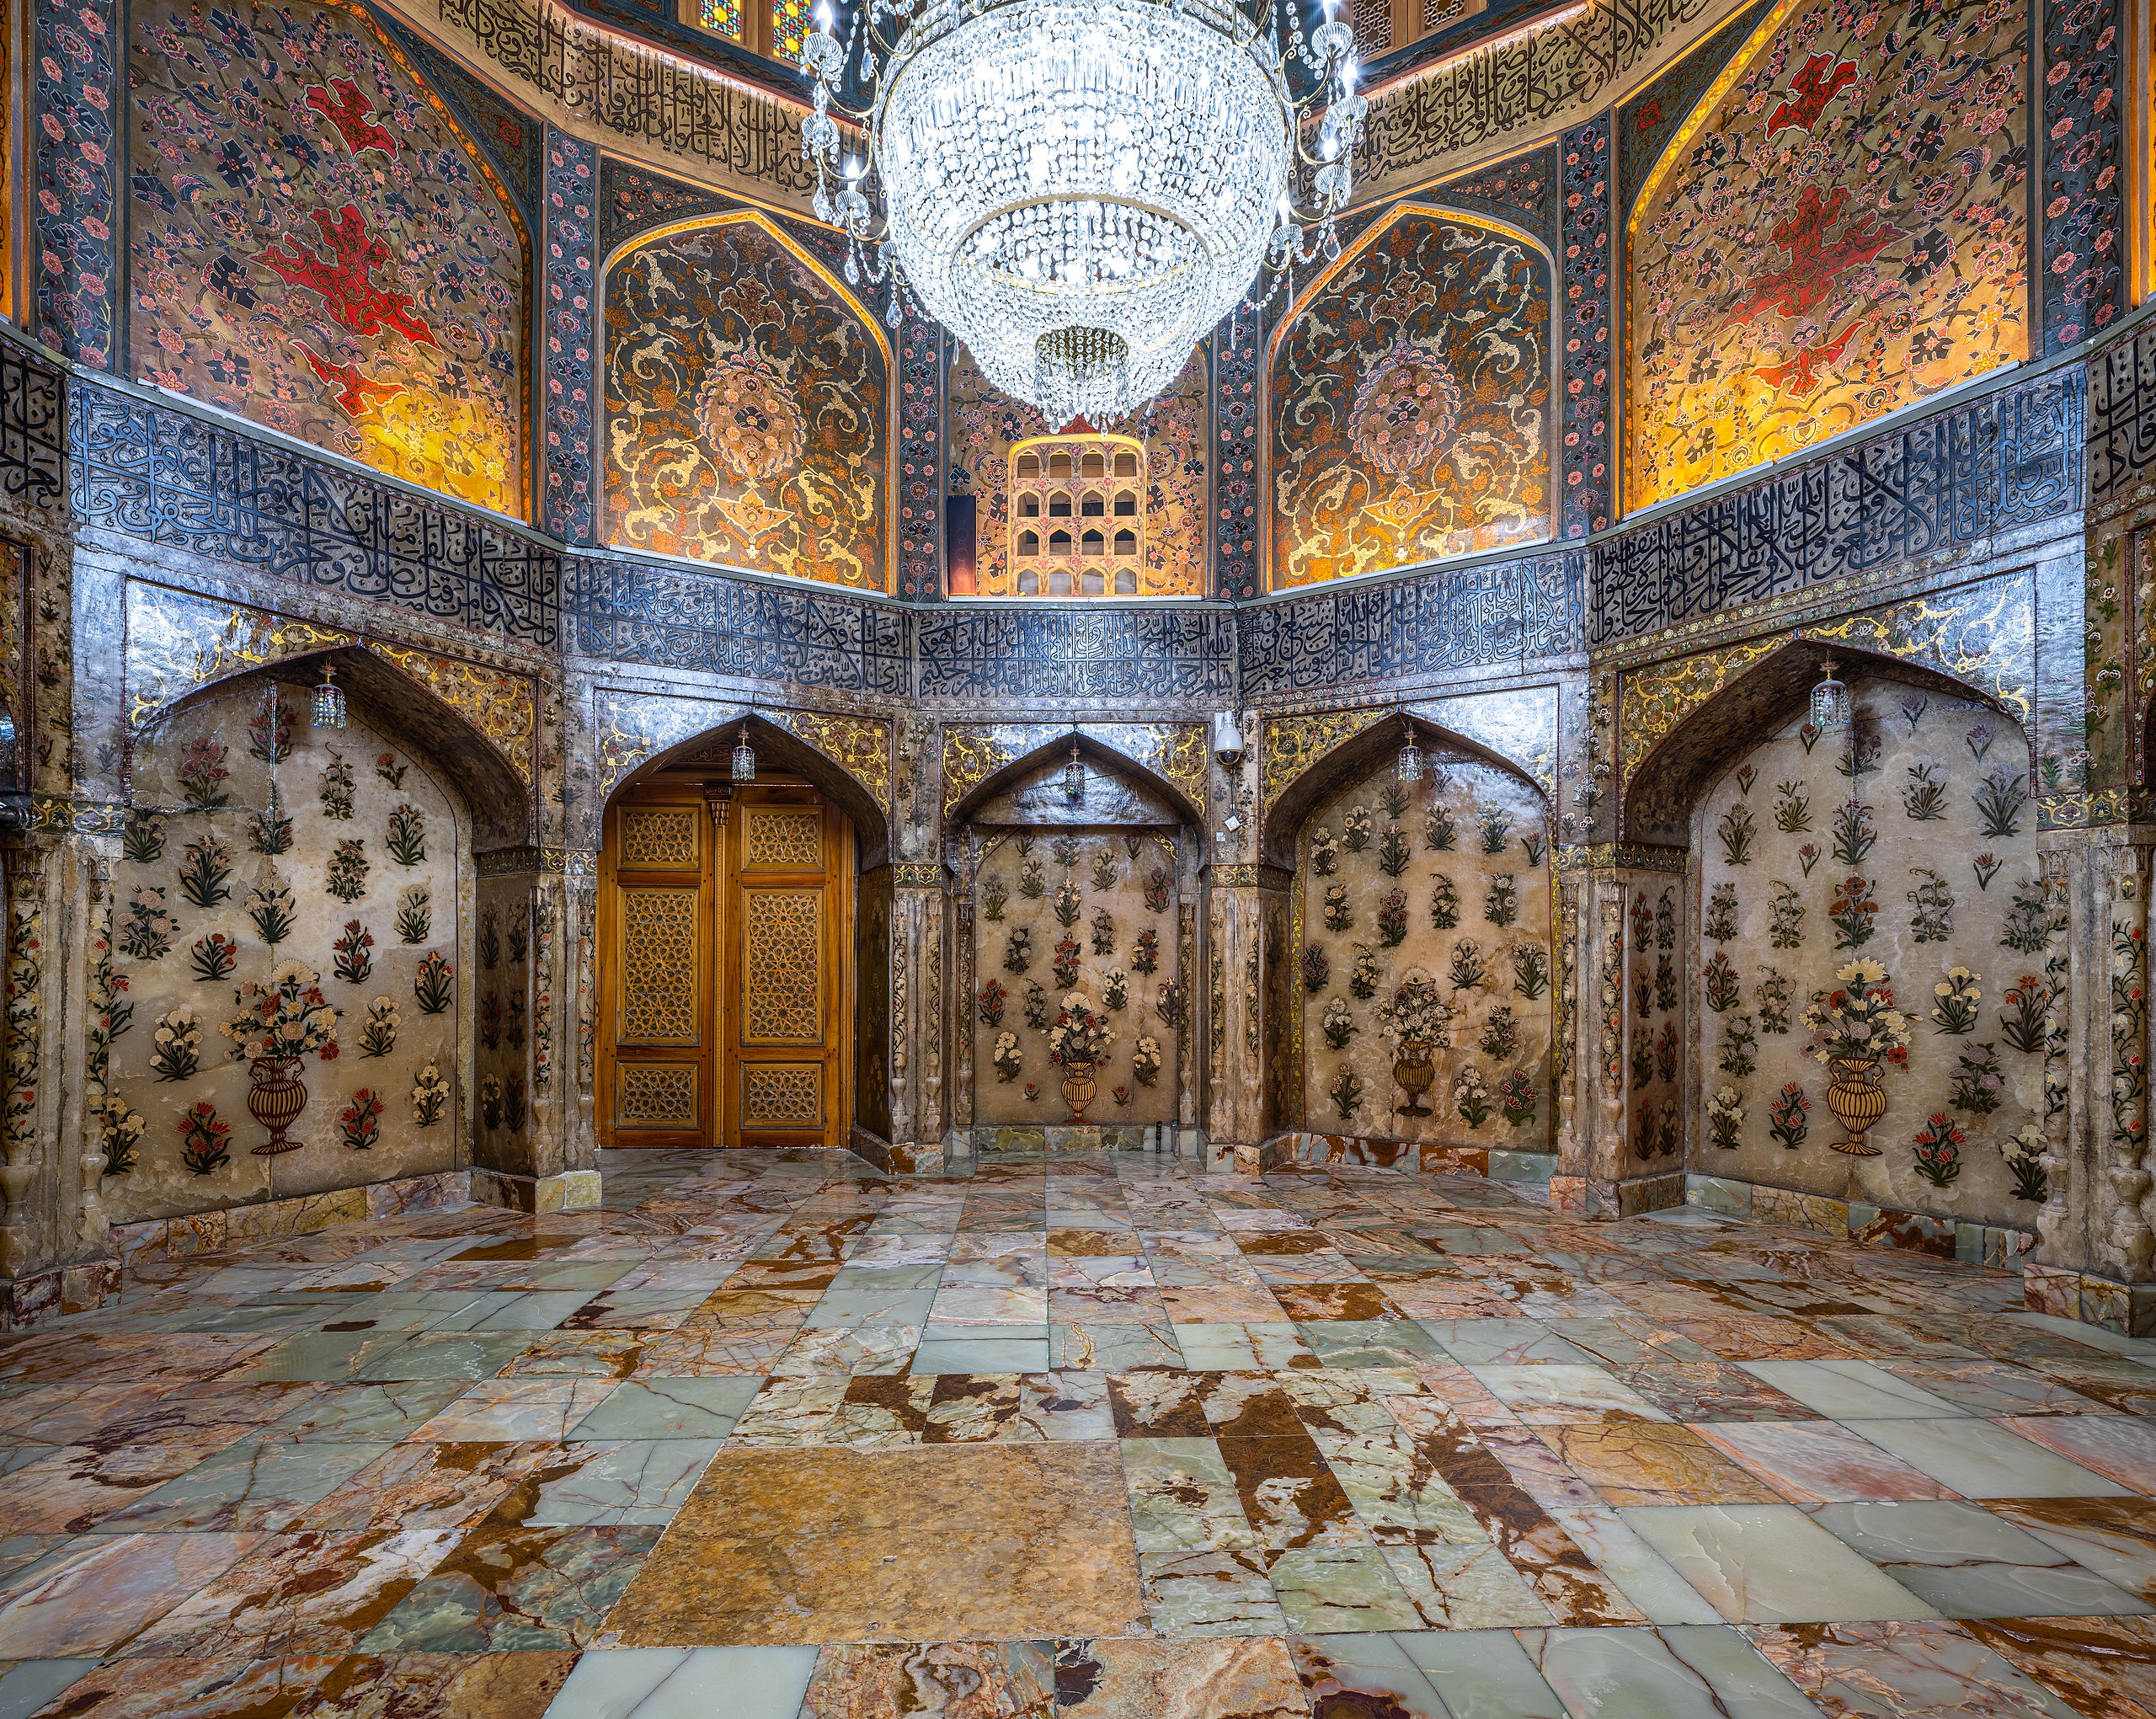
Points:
(768, 1436)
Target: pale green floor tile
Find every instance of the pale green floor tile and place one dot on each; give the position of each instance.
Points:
(1979, 1459)
(1770, 1564)
(28, 1684)
(1695, 1671)
(687, 1682)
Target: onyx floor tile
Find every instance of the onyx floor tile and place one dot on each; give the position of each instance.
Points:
(1891, 1669)
(192, 1689)
(1771, 1563)
(1691, 1672)
(1251, 1676)
(247, 1486)
(1982, 1459)
(1969, 1562)
(669, 1408)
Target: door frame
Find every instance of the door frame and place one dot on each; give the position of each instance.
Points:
(716, 879)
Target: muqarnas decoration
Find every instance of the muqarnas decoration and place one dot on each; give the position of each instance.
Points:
(746, 408)
(1410, 404)
(1841, 229)
(318, 247)
(988, 438)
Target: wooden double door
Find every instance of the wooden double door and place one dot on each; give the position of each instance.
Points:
(725, 945)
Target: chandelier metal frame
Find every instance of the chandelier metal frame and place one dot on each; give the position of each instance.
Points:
(1051, 193)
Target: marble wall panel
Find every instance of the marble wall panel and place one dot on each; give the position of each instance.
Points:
(1092, 911)
(255, 844)
(1924, 864)
(1446, 882)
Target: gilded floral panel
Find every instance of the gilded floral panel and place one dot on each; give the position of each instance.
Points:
(746, 411)
(1840, 229)
(1410, 404)
(316, 246)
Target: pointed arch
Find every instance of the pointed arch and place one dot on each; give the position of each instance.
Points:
(1108, 760)
(1761, 697)
(405, 708)
(1352, 759)
(777, 747)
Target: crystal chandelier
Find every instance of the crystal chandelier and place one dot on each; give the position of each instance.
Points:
(1080, 190)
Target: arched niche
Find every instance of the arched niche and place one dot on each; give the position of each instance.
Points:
(1094, 895)
(1407, 401)
(502, 806)
(254, 842)
(746, 412)
(777, 750)
(1899, 852)
(1351, 760)
(1763, 696)
(1441, 888)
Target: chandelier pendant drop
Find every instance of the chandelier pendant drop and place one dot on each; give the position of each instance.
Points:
(1080, 190)
(1830, 701)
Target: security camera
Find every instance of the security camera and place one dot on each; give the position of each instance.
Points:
(1227, 740)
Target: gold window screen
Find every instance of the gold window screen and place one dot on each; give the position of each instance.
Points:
(659, 966)
(658, 837)
(782, 1093)
(655, 1094)
(782, 839)
(781, 967)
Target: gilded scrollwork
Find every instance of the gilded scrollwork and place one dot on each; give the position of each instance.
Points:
(1983, 635)
(500, 705)
(862, 745)
(1291, 743)
(178, 641)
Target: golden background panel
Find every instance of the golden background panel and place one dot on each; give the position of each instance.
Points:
(659, 966)
(783, 966)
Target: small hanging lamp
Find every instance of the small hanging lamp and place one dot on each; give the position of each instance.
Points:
(1074, 777)
(1408, 769)
(745, 757)
(329, 700)
(1830, 701)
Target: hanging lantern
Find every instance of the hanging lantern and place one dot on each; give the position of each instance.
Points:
(329, 700)
(1074, 777)
(744, 758)
(1409, 768)
(1830, 701)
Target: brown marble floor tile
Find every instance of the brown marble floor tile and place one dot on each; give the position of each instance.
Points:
(1711, 1390)
(1653, 1462)
(429, 1486)
(440, 1686)
(78, 1486)
(1219, 1678)
(309, 1593)
(938, 1680)
(2103, 1668)
(1003, 1541)
(1325, 1301)
(192, 1689)
(1155, 1404)
(1763, 1338)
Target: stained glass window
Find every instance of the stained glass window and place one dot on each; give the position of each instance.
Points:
(723, 16)
(789, 27)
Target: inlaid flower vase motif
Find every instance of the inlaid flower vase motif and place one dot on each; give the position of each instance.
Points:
(1078, 1087)
(1413, 1069)
(274, 1100)
(1853, 1095)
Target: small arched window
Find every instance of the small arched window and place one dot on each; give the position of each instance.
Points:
(1126, 505)
(1094, 543)
(1126, 542)
(1058, 543)
(1029, 507)
(1029, 466)
(1059, 463)
(1058, 507)
(1126, 463)
(1094, 505)
(1029, 543)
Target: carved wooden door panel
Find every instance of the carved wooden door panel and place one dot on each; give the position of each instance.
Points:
(655, 1062)
(786, 917)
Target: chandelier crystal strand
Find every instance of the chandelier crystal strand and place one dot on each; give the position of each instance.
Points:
(1080, 190)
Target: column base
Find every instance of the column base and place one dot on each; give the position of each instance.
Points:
(571, 1191)
(2128, 1309)
(1621, 1196)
